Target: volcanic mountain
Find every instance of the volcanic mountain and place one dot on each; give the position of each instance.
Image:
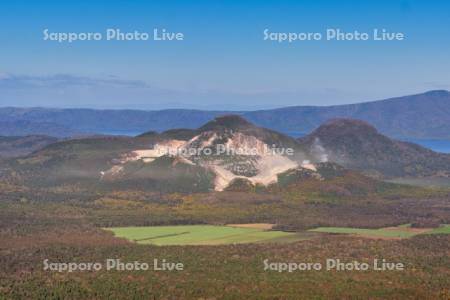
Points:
(207, 158)
(229, 147)
(225, 153)
(357, 145)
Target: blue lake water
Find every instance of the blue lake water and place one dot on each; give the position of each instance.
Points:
(122, 132)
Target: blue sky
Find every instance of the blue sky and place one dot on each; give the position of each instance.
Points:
(223, 63)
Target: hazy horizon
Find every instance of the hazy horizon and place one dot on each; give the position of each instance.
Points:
(205, 108)
(223, 62)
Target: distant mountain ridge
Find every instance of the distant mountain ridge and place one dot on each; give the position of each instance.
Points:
(421, 116)
(26, 128)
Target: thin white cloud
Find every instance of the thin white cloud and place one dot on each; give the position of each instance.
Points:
(65, 80)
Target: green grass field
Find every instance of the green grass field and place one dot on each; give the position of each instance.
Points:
(445, 229)
(201, 235)
(402, 231)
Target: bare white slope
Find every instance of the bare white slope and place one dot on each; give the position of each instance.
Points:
(267, 164)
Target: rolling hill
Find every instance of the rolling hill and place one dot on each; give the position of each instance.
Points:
(15, 146)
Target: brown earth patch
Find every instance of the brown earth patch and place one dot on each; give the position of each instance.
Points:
(377, 237)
